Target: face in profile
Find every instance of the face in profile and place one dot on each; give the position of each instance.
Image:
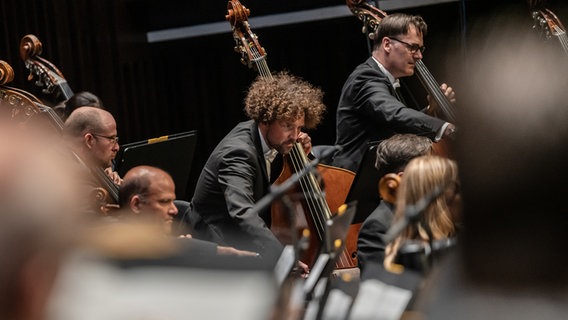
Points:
(158, 203)
(281, 134)
(104, 143)
(402, 58)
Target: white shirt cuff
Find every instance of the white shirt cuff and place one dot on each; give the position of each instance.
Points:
(440, 133)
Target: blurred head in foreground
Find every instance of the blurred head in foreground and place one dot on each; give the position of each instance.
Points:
(512, 157)
(37, 222)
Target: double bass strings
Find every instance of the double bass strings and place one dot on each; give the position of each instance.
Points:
(314, 198)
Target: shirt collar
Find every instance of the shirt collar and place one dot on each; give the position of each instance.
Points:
(395, 82)
(269, 153)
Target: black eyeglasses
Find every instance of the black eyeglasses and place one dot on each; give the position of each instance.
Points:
(114, 139)
(411, 47)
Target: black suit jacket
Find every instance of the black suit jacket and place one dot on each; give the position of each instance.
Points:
(370, 244)
(369, 111)
(232, 181)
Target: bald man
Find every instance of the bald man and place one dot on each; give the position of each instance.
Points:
(93, 137)
(149, 192)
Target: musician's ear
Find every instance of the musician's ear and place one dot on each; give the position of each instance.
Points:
(88, 140)
(386, 44)
(388, 186)
(135, 204)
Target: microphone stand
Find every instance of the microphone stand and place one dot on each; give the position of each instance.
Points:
(283, 267)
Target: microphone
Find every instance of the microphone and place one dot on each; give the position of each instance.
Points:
(420, 256)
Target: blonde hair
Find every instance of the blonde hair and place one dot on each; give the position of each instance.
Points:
(421, 177)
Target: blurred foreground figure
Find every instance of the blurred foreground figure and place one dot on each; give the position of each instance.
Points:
(512, 159)
(130, 259)
(36, 221)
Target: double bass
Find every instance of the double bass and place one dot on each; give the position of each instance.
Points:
(51, 79)
(317, 206)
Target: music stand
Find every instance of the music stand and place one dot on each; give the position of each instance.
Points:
(317, 286)
(172, 153)
(365, 186)
(385, 295)
(336, 229)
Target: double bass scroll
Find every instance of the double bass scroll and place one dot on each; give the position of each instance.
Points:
(370, 16)
(47, 75)
(550, 26)
(247, 45)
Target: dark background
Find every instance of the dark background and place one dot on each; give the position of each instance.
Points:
(155, 89)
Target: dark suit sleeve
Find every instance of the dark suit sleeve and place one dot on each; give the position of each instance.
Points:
(199, 248)
(239, 175)
(370, 244)
(375, 100)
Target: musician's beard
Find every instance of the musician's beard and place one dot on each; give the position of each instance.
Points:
(272, 134)
(107, 164)
(284, 148)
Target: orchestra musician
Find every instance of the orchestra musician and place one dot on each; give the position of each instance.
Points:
(148, 192)
(92, 135)
(393, 154)
(440, 219)
(237, 172)
(90, 139)
(370, 107)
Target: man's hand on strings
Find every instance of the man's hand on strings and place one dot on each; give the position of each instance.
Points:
(306, 142)
(433, 107)
(113, 175)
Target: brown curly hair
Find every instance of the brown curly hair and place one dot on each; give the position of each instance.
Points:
(284, 97)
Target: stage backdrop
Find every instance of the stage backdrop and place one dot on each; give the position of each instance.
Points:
(198, 83)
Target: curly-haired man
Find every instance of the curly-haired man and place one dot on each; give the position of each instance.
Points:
(236, 174)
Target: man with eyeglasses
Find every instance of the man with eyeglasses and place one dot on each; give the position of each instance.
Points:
(92, 136)
(370, 107)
